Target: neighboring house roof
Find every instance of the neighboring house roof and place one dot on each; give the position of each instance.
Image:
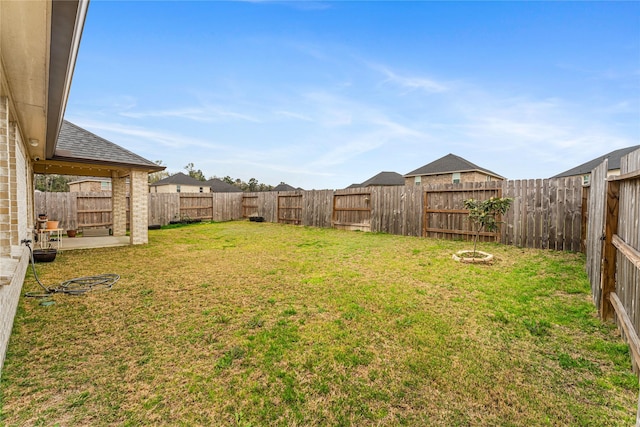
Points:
(384, 178)
(450, 164)
(179, 179)
(90, 179)
(586, 168)
(79, 145)
(219, 186)
(283, 187)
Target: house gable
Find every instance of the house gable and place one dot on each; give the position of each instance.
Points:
(450, 169)
(218, 186)
(586, 168)
(179, 183)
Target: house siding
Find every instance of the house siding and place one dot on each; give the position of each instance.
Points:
(172, 188)
(87, 186)
(447, 178)
(16, 215)
(5, 201)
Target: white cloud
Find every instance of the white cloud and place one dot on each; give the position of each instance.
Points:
(411, 83)
(161, 137)
(200, 114)
(293, 115)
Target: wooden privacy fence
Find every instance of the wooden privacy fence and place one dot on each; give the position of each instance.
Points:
(77, 210)
(290, 209)
(613, 247)
(352, 211)
(445, 216)
(545, 214)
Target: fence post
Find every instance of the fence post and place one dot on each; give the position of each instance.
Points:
(609, 252)
(638, 415)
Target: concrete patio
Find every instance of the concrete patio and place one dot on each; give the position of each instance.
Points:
(72, 243)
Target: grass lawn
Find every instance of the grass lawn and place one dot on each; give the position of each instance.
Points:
(255, 324)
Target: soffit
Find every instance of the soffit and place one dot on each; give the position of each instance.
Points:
(24, 43)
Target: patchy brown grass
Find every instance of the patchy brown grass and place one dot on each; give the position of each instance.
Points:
(262, 324)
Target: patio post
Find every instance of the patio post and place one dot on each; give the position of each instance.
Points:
(119, 204)
(139, 202)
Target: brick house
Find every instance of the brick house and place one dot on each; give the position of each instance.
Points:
(382, 179)
(584, 170)
(39, 42)
(218, 186)
(179, 183)
(450, 169)
(92, 185)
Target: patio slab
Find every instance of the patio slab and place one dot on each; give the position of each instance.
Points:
(93, 242)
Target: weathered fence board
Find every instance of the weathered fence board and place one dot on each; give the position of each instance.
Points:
(595, 228)
(545, 214)
(445, 215)
(249, 205)
(628, 233)
(196, 205)
(613, 265)
(163, 207)
(290, 207)
(352, 209)
(317, 208)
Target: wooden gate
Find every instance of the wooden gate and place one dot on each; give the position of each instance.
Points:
(290, 209)
(352, 211)
(94, 211)
(249, 206)
(196, 206)
(445, 216)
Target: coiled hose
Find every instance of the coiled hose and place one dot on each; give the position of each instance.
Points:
(77, 286)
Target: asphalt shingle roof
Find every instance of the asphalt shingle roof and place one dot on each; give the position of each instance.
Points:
(586, 168)
(180, 179)
(78, 144)
(384, 178)
(449, 164)
(219, 186)
(283, 187)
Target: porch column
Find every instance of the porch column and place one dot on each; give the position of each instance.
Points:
(119, 204)
(139, 194)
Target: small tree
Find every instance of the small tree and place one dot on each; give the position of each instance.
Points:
(484, 212)
(157, 176)
(194, 173)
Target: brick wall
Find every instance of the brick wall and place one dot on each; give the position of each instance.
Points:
(447, 178)
(5, 203)
(9, 297)
(16, 215)
(139, 208)
(119, 205)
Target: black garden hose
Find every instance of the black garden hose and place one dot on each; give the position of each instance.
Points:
(77, 286)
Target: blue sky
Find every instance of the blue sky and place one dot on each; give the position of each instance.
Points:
(326, 94)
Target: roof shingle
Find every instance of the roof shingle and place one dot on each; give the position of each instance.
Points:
(449, 164)
(78, 144)
(219, 186)
(180, 179)
(384, 178)
(586, 168)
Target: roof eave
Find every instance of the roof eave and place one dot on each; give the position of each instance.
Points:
(61, 162)
(67, 23)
